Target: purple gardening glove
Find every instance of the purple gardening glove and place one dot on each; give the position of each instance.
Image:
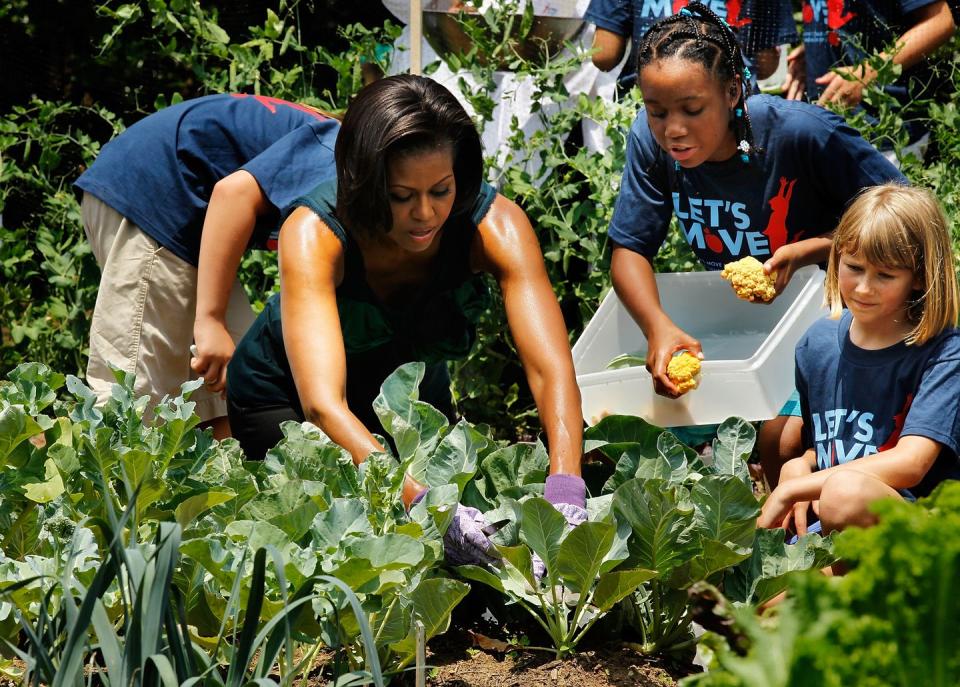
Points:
(465, 542)
(568, 494)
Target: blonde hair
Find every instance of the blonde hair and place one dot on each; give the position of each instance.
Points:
(904, 227)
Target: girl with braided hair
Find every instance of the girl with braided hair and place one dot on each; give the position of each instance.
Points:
(745, 176)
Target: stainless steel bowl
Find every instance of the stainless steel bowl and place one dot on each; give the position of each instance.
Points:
(442, 29)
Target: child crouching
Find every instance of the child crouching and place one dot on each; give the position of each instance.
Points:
(879, 381)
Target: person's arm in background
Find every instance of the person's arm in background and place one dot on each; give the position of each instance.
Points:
(636, 286)
(765, 62)
(932, 26)
(608, 49)
(614, 22)
(311, 266)
(509, 250)
(795, 84)
(766, 27)
(235, 204)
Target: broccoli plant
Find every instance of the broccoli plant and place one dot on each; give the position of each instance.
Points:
(691, 521)
(580, 583)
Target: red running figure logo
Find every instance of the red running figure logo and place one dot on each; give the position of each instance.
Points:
(776, 231)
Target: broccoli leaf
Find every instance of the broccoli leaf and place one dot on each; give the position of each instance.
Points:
(766, 573)
(662, 523)
(541, 529)
(416, 427)
(732, 447)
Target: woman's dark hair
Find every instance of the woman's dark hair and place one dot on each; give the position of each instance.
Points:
(400, 115)
(697, 34)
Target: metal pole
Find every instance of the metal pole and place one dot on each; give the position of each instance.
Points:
(416, 36)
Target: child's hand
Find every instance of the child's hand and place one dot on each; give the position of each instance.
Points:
(662, 346)
(844, 85)
(214, 347)
(796, 518)
(784, 262)
(775, 509)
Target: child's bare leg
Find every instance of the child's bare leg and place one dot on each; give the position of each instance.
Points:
(779, 440)
(846, 497)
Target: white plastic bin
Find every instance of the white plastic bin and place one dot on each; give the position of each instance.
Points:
(748, 351)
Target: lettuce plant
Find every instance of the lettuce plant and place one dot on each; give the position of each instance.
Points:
(891, 620)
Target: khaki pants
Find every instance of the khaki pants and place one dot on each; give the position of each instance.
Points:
(143, 319)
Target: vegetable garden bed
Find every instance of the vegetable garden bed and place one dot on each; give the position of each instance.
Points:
(125, 541)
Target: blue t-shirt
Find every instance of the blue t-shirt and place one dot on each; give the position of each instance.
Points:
(844, 32)
(858, 402)
(810, 166)
(759, 24)
(160, 172)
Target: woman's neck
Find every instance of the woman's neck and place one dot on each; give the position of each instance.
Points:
(380, 252)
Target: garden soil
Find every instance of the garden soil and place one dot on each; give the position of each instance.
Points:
(457, 662)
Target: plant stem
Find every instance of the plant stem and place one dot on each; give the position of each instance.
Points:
(376, 637)
(548, 629)
(655, 609)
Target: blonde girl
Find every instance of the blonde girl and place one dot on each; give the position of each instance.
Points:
(879, 380)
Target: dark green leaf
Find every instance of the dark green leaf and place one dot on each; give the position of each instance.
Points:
(662, 524)
(582, 552)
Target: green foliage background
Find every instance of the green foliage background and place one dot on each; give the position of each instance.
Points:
(139, 56)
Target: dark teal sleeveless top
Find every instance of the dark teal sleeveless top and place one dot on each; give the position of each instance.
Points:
(436, 324)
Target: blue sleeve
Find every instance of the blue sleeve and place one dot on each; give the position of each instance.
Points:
(296, 163)
(935, 411)
(612, 15)
(786, 26)
(485, 199)
(908, 6)
(840, 162)
(644, 205)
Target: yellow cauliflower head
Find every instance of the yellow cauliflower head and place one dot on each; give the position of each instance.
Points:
(683, 370)
(748, 280)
